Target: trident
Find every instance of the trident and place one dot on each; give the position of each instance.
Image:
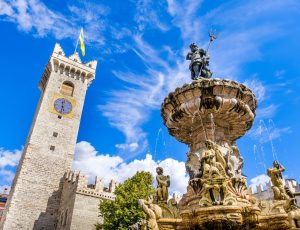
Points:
(213, 36)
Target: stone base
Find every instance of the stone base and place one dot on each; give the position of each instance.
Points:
(274, 222)
(269, 216)
(220, 217)
(169, 224)
(273, 215)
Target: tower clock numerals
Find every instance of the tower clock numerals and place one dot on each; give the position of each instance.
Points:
(62, 106)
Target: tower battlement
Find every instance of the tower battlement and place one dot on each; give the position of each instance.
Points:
(71, 66)
(79, 183)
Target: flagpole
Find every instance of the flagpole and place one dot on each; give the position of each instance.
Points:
(77, 40)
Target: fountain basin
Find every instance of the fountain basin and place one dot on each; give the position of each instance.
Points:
(214, 109)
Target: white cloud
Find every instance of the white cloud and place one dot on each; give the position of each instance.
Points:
(131, 147)
(6, 176)
(257, 88)
(129, 108)
(91, 163)
(35, 17)
(4, 188)
(185, 17)
(8, 162)
(146, 15)
(266, 112)
(5, 9)
(267, 133)
(9, 158)
(260, 180)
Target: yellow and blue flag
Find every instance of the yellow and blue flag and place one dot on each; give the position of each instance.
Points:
(81, 40)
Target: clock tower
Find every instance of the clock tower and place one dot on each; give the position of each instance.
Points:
(48, 153)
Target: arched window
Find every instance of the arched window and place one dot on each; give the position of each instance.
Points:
(67, 88)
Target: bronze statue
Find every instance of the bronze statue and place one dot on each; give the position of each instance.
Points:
(153, 212)
(199, 62)
(275, 173)
(163, 182)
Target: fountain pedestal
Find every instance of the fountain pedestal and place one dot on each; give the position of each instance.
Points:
(209, 115)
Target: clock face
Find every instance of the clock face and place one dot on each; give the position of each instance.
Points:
(63, 106)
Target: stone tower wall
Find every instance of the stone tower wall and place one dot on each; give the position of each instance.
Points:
(79, 207)
(34, 198)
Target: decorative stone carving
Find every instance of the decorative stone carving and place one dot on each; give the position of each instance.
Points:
(293, 214)
(275, 173)
(140, 225)
(209, 115)
(163, 182)
(235, 162)
(153, 213)
(169, 207)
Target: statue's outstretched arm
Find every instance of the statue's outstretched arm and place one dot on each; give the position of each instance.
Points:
(144, 206)
(282, 169)
(188, 56)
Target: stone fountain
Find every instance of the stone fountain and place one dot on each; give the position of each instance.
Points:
(209, 115)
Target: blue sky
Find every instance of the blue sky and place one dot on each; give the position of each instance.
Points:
(140, 47)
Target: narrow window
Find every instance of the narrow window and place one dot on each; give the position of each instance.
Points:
(52, 147)
(55, 134)
(67, 88)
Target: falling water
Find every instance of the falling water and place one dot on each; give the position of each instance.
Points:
(271, 124)
(260, 160)
(265, 167)
(203, 126)
(255, 156)
(156, 141)
(262, 123)
(214, 125)
(271, 138)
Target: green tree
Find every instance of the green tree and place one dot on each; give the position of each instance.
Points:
(125, 211)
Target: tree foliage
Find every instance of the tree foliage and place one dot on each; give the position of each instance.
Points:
(125, 211)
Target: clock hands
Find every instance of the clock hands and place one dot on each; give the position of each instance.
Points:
(62, 106)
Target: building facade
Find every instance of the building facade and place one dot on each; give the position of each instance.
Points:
(3, 200)
(267, 192)
(79, 205)
(41, 187)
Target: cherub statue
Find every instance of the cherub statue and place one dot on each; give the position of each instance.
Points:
(153, 212)
(199, 62)
(163, 182)
(275, 173)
